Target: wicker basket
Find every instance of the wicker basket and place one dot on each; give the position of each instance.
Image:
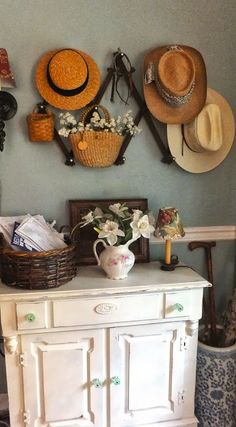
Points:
(95, 148)
(38, 270)
(40, 126)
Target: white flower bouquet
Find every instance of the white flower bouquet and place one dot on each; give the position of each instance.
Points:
(122, 125)
(117, 224)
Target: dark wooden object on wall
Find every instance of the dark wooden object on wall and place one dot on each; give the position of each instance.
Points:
(85, 237)
(143, 112)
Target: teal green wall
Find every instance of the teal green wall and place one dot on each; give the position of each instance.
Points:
(34, 178)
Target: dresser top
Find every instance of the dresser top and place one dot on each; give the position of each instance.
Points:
(91, 280)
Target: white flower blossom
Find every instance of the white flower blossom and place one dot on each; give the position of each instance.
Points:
(137, 213)
(87, 219)
(110, 231)
(91, 216)
(95, 116)
(118, 209)
(98, 213)
(63, 132)
(102, 122)
(141, 227)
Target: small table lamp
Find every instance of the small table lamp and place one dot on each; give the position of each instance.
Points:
(169, 227)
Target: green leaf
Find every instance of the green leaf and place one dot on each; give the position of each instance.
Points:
(97, 229)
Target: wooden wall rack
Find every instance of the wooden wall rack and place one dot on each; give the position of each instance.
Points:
(142, 112)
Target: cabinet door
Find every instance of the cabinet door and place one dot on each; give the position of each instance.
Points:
(146, 374)
(58, 370)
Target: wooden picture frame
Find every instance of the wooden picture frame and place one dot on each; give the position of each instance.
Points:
(85, 237)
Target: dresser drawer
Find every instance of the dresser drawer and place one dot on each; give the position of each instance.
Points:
(31, 315)
(107, 310)
(183, 304)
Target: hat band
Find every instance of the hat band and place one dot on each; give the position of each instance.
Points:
(173, 100)
(67, 92)
(185, 142)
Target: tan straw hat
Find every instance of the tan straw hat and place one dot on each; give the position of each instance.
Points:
(203, 144)
(67, 78)
(175, 83)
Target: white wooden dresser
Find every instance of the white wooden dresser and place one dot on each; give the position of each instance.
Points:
(104, 353)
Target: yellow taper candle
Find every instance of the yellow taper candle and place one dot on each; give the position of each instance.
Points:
(168, 251)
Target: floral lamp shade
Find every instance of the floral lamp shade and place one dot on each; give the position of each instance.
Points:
(169, 227)
(7, 79)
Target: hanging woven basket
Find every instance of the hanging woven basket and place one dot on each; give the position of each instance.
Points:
(40, 126)
(95, 148)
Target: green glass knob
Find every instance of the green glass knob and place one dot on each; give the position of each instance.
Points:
(115, 380)
(30, 317)
(97, 383)
(178, 306)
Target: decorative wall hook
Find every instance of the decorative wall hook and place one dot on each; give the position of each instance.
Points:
(8, 108)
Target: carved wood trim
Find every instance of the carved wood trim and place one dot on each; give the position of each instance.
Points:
(10, 344)
(191, 327)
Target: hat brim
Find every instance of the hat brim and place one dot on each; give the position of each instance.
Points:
(159, 108)
(74, 102)
(204, 161)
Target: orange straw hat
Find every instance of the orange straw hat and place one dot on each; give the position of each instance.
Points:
(67, 78)
(175, 83)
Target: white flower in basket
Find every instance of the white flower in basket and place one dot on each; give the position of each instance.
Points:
(122, 125)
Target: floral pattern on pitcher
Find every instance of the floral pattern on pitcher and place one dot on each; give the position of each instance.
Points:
(123, 259)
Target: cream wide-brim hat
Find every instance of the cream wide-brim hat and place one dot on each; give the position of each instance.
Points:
(200, 162)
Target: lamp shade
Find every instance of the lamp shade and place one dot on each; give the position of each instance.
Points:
(169, 225)
(6, 75)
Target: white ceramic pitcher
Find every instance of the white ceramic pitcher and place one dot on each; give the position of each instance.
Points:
(116, 261)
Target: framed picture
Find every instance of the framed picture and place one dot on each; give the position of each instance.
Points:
(84, 237)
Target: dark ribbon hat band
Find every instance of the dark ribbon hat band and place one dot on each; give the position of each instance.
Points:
(67, 92)
(184, 141)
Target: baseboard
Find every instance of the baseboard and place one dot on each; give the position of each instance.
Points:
(183, 422)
